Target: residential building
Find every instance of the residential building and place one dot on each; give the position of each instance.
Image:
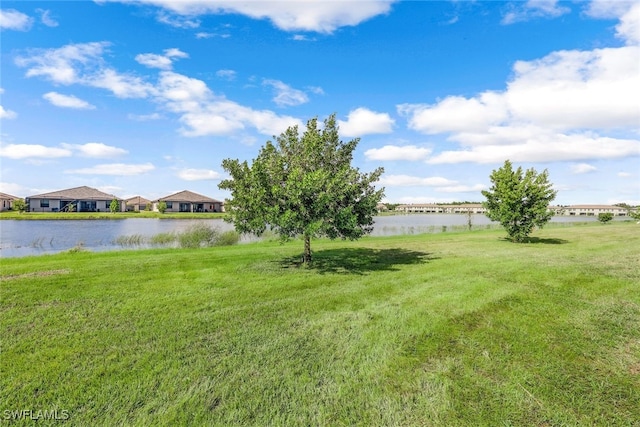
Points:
(592, 210)
(188, 201)
(79, 199)
(137, 204)
(6, 201)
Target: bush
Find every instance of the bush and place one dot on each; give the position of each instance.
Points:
(198, 235)
(228, 238)
(605, 217)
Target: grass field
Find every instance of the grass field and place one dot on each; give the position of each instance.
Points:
(451, 329)
(105, 215)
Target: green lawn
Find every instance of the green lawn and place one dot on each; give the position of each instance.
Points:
(106, 215)
(451, 329)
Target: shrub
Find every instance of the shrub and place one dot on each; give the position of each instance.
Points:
(198, 235)
(605, 217)
(228, 238)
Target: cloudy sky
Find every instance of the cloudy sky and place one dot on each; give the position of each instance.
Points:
(148, 97)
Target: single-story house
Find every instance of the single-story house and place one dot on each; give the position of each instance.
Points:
(6, 201)
(137, 204)
(188, 201)
(593, 210)
(79, 199)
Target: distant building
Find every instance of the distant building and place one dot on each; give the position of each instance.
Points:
(434, 208)
(591, 210)
(137, 204)
(6, 201)
(79, 199)
(188, 201)
(477, 208)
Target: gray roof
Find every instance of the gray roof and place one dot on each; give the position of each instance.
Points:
(78, 193)
(6, 196)
(188, 196)
(138, 200)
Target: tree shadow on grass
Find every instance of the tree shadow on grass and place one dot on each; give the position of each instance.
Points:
(538, 240)
(359, 260)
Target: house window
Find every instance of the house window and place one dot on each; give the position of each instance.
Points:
(169, 205)
(44, 203)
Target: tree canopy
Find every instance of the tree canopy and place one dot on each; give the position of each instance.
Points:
(303, 185)
(519, 200)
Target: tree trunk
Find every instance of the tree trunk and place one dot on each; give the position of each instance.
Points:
(306, 257)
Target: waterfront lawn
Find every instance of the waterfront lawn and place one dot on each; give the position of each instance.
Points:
(439, 329)
(106, 215)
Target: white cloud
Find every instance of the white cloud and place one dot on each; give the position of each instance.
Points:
(29, 151)
(198, 108)
(46, 19)
(96, 150)
(11, 19)
(226, 74)
(461, 188)
(7, 114)
(163, 62)
(59, 65)
(117, 169)
(153, 60)
(318, 16)
(203, 113)
(629, 27)
(13, 189)
(67, 101)
(303, 38)
(199, 175)
(544, 147)
(581, 168)
(145, 117)
(533, 9)
(83, 64)
(414, 181)
(178, 21)
(456, 113)
(557, 108)
(363, 121)
(624, 174)
(394, 152)
(285, 95)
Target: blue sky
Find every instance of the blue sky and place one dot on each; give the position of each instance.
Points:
(148, 97)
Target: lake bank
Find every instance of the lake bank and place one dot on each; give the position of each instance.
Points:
(34, 237)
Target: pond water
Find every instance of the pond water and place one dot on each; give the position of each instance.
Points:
(33, 237)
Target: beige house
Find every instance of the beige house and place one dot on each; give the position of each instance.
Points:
(590, 210)
(188, 201)
(137, 204)
(6, 201)
(79, 199)
(433, 208)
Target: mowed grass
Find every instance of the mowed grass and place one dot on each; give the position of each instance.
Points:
(458, 329)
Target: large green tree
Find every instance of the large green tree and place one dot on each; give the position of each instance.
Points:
(303, 185)
(519, 200)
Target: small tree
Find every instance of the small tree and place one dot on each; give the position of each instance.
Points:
(19, 205)
(303, 185)
(605, 217)
(635, 214)
(519, 200)
(162, 206)
(114, 206)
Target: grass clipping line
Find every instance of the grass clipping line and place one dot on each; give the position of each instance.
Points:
(45, 273)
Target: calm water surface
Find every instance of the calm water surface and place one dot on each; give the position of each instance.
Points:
(32, 237)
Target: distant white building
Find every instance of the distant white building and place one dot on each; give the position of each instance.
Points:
(590, 210)
(434, 208)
